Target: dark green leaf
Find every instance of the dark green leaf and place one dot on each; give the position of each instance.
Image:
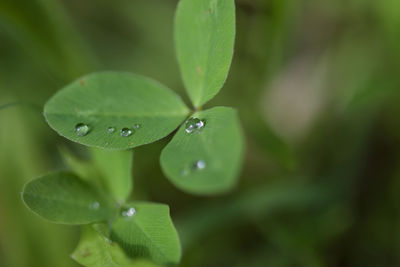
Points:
(62, 197)
(207, 161)
(204, 36)
(115, 110)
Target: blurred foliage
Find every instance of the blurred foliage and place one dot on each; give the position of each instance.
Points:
(317, 88)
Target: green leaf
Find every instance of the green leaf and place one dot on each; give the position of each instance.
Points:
(62, 197)
(218, 146)
(109, 170)
(204, 37)
(82, 167)
(119, 100)
(148, 233)
(96, 250)
(115, 168)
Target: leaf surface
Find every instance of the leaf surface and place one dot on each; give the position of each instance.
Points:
(218, 146)
(204, 38)
(103, 104)
(96, 250)
(115, 167)
(62, 197)
(148, 233)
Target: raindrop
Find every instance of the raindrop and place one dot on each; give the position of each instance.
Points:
(136, 126)
(111, 130)
(95, 205)
(129, 212)
(125, 132)
(194, 125)
(199, 164)
(82, 129)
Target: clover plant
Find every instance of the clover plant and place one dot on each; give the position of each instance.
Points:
(114, 112)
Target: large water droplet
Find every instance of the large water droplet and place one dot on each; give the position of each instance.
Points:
(194, 125)
(128, 212)
(199, 164)
(95, 205)
(82, 129)
(111, 130)
(125, 132)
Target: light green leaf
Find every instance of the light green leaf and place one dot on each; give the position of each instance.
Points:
(96, 250)
(145, 230)
(115, 167)
(149, 110)
(207, 161)
(204, 37)
(109, 170)
(62, 197)
(80, 166)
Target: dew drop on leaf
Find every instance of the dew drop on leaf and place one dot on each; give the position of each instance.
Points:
(136, 126)
(195, 166)
(128, 212)
(125, 132)
(194, 125)
(185, 171)
(82, 129)
(111, 130)
(95, 205)
(199, 165)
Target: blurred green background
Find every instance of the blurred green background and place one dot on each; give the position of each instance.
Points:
(317, 85)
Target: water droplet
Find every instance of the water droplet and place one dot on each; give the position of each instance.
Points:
(136, 126)
(194, 125)
(95, 205)
(82, 129)
(199, 164)
(129, 212)
(125, 132)
(185, 171)
(111, 130)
